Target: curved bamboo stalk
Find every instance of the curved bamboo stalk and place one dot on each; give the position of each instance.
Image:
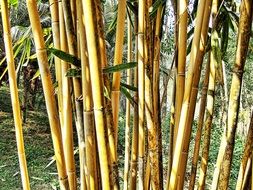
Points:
(128, 115)
(48, 92)
(97, 88)
(141, 86)
(14, 95)
(245, 23)
(183, 116)
(199, 128)
(118, 54)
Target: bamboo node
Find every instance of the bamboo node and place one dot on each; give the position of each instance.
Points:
(181, 74)
(237, 70)
(99, 109)
(54, 2)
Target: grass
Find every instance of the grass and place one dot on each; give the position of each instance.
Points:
(38, 147)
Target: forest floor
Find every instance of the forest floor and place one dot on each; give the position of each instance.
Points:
(38, 147)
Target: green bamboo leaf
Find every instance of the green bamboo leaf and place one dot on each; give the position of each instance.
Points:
(129, 87)
(128, 95)
(132, 8)
(129, 16)
(155, 6)
(36, 75)
(66, 57)
(13, 3)
(107, 93)
(120, 67)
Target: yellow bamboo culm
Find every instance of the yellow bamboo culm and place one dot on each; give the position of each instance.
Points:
(185, 105)
(141, 86)
(246, 155)
(128, 106)
(134, 147)
(89, 123)
(118, 60)
(181, 57)
(97, 89)
(111, 145)
(194, 91)
(14, 95)
(54, 10)
(67, 131)
(48, 92)
(199, 127)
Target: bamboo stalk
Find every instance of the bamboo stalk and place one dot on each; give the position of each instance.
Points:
(214, 61)
(147, 180)
(111, 145)
(246, 155)
(128, 114)
(183, 116)
(48, 92)
(134, 148)
(221, 153)
(247, 174)
(153, 156)
(194, 90)
(199, 128)
(14, 95)
(156, 91)
(118, 54)
(245, 23)
(56, 41)
(141, 96)
(73, 50)
(171, 131)
(97, 89)
(182, 18)
(87, 144)
(67, 130)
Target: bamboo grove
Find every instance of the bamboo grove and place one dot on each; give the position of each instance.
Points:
(89, 105)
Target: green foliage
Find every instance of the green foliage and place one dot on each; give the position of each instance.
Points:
(13, 3)
(66, 57)
(120, 67)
